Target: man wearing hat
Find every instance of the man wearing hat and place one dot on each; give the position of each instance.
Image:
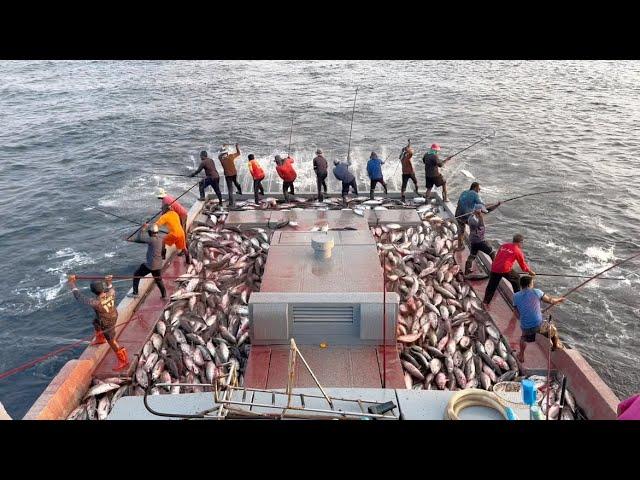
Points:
(374, 170)
(320, 167)
(106, 317)
(176, 234)
(476, 236)
(167, 199)
(341, 172)
(407, 170)
(230, 173)
(284, 167)
(153, 264)
(465, 208)
(432, 164)
(211, 179)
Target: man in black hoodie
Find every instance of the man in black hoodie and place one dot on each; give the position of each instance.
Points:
(320, 167)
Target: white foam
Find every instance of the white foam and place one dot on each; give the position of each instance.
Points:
(604, 227)
(599, 253)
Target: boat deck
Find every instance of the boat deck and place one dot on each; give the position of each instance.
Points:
(339, 366)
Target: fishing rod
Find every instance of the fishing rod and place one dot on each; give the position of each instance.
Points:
(117, 216)
(353, 112)
(575, 276)
(167, 174)
(290, 134)
(401, 155)
(149, 221)
(467, 148)
(594, 277)
(131, 277)
(515, 198)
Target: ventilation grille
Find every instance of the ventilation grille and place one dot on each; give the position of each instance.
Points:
(306, 313)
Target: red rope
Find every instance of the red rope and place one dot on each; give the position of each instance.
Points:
(31, 363)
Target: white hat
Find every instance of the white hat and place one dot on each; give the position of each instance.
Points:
(161, 193)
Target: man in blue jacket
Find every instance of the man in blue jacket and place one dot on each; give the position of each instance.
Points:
(465, 208)
(374, 170)
(342, 173)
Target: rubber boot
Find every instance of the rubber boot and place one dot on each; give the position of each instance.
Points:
(468, 265)
(402, 198)
(371, 194)
(99, 338)
(123, 359)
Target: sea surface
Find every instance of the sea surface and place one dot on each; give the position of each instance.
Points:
(78, 134)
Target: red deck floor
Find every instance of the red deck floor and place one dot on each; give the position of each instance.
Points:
(343, 366)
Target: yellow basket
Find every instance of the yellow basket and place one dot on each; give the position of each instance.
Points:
(510, 394)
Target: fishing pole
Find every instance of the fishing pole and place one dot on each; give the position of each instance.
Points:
(353, 112)
(290, 134)
(167, 174)
(131, 277)
(149, 221)
(467, 148)
(575, 276)
(401, 155)
(117, 216)
(594, 277)
(515, 198)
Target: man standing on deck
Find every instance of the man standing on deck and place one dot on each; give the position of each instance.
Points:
(374, 170)
(476, 237)
(285, 170)
(176, 234)
(341, 172)
(153, 263)
(230, 173)
(526, 305)
(258, 175)
(507, 255)
(106, 315)
(432, 164)
(407, 170)
(465, 208)
(320, 167)
(212, 178)
(182, 212)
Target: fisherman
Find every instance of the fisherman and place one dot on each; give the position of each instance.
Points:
(230, 173)
(212, 178)
(320, 167)
(502, 264)
(175, 206)
(629, 409)
(153, 263)
(258, 175)
(285, 170)
(342, 173)
(476, 237)
(374, 170)
(432, 171)
(407, 170)
(465, 207)
(527, 308)
(176, 234)
(106, 315)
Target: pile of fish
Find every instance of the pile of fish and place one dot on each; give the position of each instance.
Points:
(447, 341)
(203, 334)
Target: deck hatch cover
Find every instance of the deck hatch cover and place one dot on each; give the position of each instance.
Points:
(323, 313)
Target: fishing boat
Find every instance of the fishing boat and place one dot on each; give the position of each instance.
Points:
(322, 336)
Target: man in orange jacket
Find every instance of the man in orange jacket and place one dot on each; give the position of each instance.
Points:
(176, 234)
(258, 175)
(285, 170)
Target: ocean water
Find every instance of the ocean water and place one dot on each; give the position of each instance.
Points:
(78, 134)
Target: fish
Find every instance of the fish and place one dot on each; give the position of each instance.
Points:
(141, 377)
(435, 365)
(103, 408)
(413, 371)
(101, 389)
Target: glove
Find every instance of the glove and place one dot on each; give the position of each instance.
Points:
(72, 279)
(108, 278)
(192, 175)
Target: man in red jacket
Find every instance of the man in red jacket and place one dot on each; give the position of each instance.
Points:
(285, 170)
(507, 255)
